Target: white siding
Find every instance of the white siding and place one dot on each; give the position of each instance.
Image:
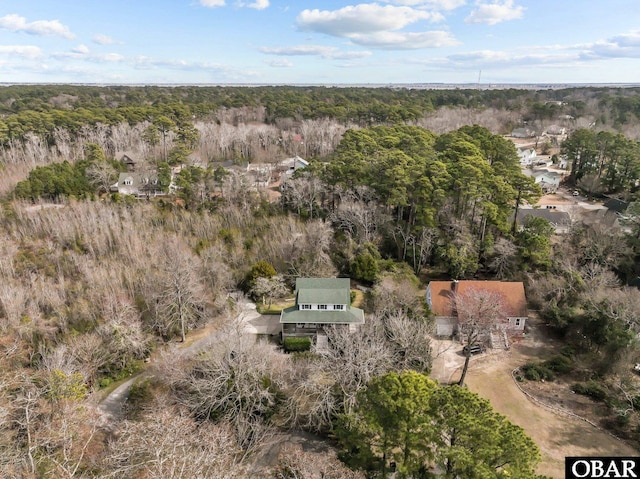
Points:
(517, 323)
(323, 307)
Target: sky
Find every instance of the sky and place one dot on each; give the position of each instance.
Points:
(320, 41)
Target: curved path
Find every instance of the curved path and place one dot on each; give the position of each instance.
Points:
(112, 405)
(556, 434)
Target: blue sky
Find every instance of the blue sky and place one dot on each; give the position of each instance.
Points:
(326, 42)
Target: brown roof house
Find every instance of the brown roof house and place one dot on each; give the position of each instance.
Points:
(320, 302)
(440, 295)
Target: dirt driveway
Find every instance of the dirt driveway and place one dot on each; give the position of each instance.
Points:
(556, 435)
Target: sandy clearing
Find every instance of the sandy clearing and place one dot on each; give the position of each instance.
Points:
(557, 435)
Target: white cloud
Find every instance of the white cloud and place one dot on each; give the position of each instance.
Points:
(432, 4)
(406, 40)
(351, 55)
(101, 39)
(258, 4)
(495, 12)
(25, 51)
(621, 46)
(225, 72)
(314, 50)
(296, 51)
(81, 49)
(212, 3)
(362, 19)
(16, 23)
(280, 63)
(81, 52)
(491, 58)
(109, 57)
(626, 45)
(378, 26)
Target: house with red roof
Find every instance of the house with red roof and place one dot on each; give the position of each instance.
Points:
(440, 298)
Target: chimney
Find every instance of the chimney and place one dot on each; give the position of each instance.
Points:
(454, 290)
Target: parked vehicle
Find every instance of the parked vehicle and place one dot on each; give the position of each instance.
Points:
(475, 349)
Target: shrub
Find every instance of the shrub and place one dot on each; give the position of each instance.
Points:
(304, 356)
(559, 364)
(532, 374)
(365, 268)
(538, 372)
(291, 345)
(140, 395)
(590, 389)
(105, 382)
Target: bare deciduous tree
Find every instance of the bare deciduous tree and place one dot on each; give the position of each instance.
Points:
(393, 295)
(303, 194)
(360, 219)
(13, 298)
(355, 358)
(236, 380)
(168, 444)
(269, 288)
(102, 175)
(294, 462)
(410, 341)
(479, 311)
(422, 245)
(504, 254)
(181, 299)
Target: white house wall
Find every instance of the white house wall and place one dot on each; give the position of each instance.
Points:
(329, 307)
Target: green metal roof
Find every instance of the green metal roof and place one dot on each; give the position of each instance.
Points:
(327, 291)
(323, 291)
(294, 315)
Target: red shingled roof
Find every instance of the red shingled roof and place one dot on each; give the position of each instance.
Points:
(513, 293)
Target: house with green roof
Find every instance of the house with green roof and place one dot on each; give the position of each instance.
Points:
(320, 302)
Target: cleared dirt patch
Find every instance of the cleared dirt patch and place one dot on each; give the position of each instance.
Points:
(556, 434)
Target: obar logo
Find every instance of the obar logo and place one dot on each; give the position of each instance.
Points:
(601, 467)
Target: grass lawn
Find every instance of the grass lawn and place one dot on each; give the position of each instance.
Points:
(275, 308)
(359, 299)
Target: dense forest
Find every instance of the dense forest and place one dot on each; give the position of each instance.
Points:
(403, 186)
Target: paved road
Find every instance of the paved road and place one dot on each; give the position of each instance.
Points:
(112, 406)
(256, 323)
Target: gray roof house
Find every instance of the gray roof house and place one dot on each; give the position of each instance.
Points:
(523, 133)
(559, 220)
(138, 184)
(128, 158)
(548, 180)
(616, 205)
(320, 302)
(292, 164)
(526, 155)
